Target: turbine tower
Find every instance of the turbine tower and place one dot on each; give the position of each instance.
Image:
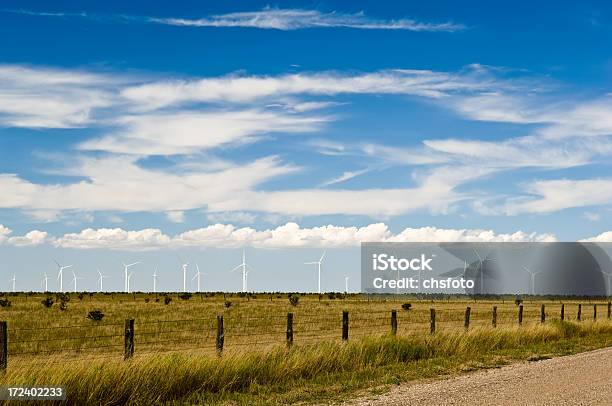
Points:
(46, 281)
(101, 277)
(155, 278)
(198, 276)
(13, 280)
(346, 279)
(607, 275)
(184, 266)
(74, 280)
(481, 262)
(318, 263)
(243, 265)
(126, 276)
(533, 275)
(60, 274)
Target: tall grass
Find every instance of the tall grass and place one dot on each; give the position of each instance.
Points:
(158, 378)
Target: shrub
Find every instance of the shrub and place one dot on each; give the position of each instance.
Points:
(407, 306)
(227, 304)
(185, 296)
(167, 300)
(63, 305)
(294, 300)
(147, 300)
(81, 296)
(47, 302)
(95, 315)
(4, 302)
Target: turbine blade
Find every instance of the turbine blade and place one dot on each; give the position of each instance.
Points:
(322, 256)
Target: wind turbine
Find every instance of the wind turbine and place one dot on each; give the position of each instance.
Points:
(155, 278)
(46, 281)
(533, 275)
(243, 265)
(13, 282)
(60, 274)
(126, 276)
(346, 279)
(101, 277)
(74, 280)
(318, 263)
(607, 275)
(184, 265)
(481, 262)
(198, 276)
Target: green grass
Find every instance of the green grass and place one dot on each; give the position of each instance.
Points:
(306, 373)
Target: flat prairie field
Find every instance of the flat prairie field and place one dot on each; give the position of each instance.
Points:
(251, 322)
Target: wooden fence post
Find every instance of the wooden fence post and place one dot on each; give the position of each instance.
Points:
(220, 334)
(128, 342)
(594, 312)
(345, 325)
(466, 323)
(562, 312)
(3, 345)
(432, 321)
(609, 309)
(579, 312)
(289, 330)
(394, 322)
(494, 320)
(542, 314)
(520, 314)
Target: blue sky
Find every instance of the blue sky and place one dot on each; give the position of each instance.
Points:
(128, 127)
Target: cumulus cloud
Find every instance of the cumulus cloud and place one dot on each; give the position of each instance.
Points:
(289, 235)
(31, 238)
(176, 216)
(603, 237)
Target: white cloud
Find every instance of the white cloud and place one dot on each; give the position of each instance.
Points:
(554, 195)
(603, 237)
(191, 132)
(176, 216)
(4, 233)
(289, 235)
(31, 238)
(296, 19)
(114, 238)
(51, 98)
(238, 217)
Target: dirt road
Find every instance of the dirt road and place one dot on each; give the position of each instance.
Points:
(582, 379)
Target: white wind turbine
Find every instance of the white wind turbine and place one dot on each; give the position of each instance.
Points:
(318, 263)
(346, 279)
(198, 276)
(60, 274)
(481, 262)
(184, 266)
(607, 275)
(74, 280)
(46, 281)
(244, 266)
(155, 278)
(101, 278)
(533, 275)
(13, 280)
(126, 276)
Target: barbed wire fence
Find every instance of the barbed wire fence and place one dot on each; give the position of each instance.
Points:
(218, 334)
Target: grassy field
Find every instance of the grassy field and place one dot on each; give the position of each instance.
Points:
(174, 344)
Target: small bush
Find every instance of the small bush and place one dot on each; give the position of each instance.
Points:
(227, 304)
(167, 300)
(147, 300)
(63, 305)
(81, 296)
(47, 302)
(4, 302)
(407, 306)
(95, 315)
(185, 296)
(294, 300)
